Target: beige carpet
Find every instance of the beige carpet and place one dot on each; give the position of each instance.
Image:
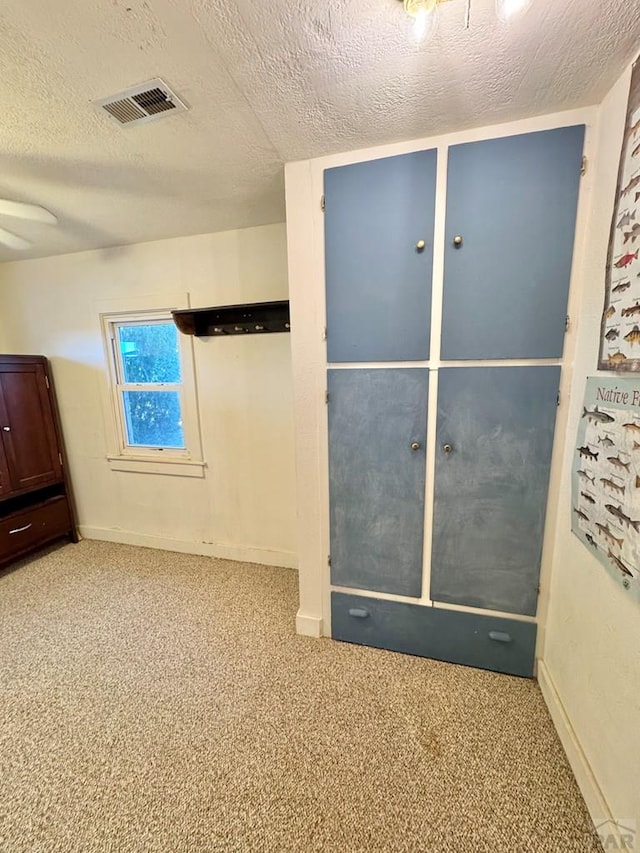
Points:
(161, 702)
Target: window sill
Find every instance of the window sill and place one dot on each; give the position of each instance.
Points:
(144, 465)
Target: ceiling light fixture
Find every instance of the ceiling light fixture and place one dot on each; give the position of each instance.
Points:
(424, 12)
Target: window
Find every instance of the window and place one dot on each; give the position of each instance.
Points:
(153, 393)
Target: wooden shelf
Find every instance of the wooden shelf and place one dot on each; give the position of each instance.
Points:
(257, 318)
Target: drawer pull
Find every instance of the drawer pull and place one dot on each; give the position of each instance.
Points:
(19, 529)
(358, 612)
(500, 636)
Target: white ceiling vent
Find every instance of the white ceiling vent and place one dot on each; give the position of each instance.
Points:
(142, 104)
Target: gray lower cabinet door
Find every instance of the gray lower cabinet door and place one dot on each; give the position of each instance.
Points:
(512, 201)
(377, 432)
(495, 430)
(378, 274)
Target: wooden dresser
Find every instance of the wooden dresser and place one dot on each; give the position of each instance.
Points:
(36, 505)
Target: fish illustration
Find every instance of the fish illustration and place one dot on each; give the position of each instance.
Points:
(618, 463)
(605, 441)
(590, 540)
(624, 285)
(587, 497)
(626, 219)
(585, 476)
(633, 336)
(633, 234)
(610, 312)
(587, 453)
(612, 334)
(626, 259)
(616, 512)
(631, 426)
(606, 532)
(616, 357)
(633, 183)
(636, 150)
(597, 415)
(581, 514)
(611, 485)
(631, 310)
(619, 564)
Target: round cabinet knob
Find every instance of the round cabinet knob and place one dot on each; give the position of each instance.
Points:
(415, 445)
(7, 429)
(447, 448)
(457, 241)
(420, 246)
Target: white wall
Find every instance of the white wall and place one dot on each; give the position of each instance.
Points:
(591, 670)
(305, 240)
(245, 506)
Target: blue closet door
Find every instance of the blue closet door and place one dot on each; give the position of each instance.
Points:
(378, 277)
(377, 433)
(495, 435)
(513, 202)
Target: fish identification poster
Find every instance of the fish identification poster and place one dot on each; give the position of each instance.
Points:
(605, 477)
(620, 331)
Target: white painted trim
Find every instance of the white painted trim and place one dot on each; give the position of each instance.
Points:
(594, 797)
(369, 593)
(424, 601)
(435, 363)
(484, 611)
(226, 551)
(308, 626)
(144, 465)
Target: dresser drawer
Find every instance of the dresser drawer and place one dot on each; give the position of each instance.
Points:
(473, 639)
(33, 526)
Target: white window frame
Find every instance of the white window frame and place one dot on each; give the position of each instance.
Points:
(187, 461)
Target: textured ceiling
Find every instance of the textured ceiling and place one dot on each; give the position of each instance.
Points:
(267, 81)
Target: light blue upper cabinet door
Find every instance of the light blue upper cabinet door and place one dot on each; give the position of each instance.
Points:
(377, 433)
(378, 280)
(495, 435)
(513, 201)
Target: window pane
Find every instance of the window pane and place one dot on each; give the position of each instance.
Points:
(153, 418)
(149, 352)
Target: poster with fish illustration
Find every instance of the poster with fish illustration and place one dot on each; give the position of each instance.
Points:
(620, 333)
(605, 477)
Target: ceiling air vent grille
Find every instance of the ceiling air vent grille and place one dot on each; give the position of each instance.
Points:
(142, 104)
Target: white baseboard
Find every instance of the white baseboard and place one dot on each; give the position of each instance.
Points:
(582, 770)
(308, 626)
(243, 553)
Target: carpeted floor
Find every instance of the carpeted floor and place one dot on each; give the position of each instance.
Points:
(154, 702)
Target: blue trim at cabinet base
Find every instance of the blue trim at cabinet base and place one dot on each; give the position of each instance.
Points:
(471, 639)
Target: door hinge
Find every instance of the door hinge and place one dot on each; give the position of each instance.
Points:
(326, 396)
(567, 323)
(322, 202)
(583, 166)
(558, 399)
(324, 334)
(329, 560)
(60, 457)
(46, 380)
